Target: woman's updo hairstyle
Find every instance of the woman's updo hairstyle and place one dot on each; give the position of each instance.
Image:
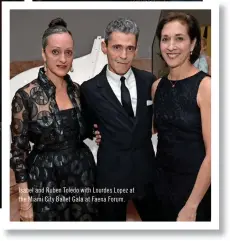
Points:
(57, 25)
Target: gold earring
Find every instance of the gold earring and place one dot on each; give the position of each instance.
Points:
(71, 69)
(45, 66)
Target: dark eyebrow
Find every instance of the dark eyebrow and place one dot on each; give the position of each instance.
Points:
(132, 46)
(69, 48)
(119, 45)
(178, 34)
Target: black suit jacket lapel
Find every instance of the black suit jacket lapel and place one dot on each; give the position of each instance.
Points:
(141, 99)
(108, 93)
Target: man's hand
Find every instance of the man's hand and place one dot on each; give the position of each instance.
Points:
(97, 134)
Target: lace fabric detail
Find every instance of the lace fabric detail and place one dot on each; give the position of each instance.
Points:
(36, 119)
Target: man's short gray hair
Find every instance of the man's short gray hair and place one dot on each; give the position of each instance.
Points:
(123, 25)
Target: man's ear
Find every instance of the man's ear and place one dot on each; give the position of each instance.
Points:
(43, 55)
(103, 47)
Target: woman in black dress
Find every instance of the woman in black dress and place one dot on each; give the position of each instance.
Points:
(56, 178)
(182, 119)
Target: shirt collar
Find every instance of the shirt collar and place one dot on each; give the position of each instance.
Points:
(115, 77)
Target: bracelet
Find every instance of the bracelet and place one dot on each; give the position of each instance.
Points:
(22, 209)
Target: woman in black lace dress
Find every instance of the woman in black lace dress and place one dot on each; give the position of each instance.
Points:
(56, 178)
(182, 119)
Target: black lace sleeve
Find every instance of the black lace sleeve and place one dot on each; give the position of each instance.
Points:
(20, 146)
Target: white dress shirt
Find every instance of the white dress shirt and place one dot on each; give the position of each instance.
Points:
(130, 82)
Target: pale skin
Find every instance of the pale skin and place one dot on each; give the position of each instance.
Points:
(58, 56)
(179, 68)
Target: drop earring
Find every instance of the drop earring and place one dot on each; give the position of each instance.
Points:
(71, 69)
(191, 52)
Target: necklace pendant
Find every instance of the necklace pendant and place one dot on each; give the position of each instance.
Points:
(173, 86)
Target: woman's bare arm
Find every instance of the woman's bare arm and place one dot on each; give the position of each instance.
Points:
(203, 179)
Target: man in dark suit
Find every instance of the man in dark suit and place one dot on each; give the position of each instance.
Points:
(119, 101)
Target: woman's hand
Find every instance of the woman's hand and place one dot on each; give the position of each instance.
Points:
(26, 212)
(97, 134)
(187, 213)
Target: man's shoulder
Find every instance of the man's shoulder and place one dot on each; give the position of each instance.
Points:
(90, 82)
(93, 81)
(148, 76)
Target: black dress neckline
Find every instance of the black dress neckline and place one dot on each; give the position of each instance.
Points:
(189, 77)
